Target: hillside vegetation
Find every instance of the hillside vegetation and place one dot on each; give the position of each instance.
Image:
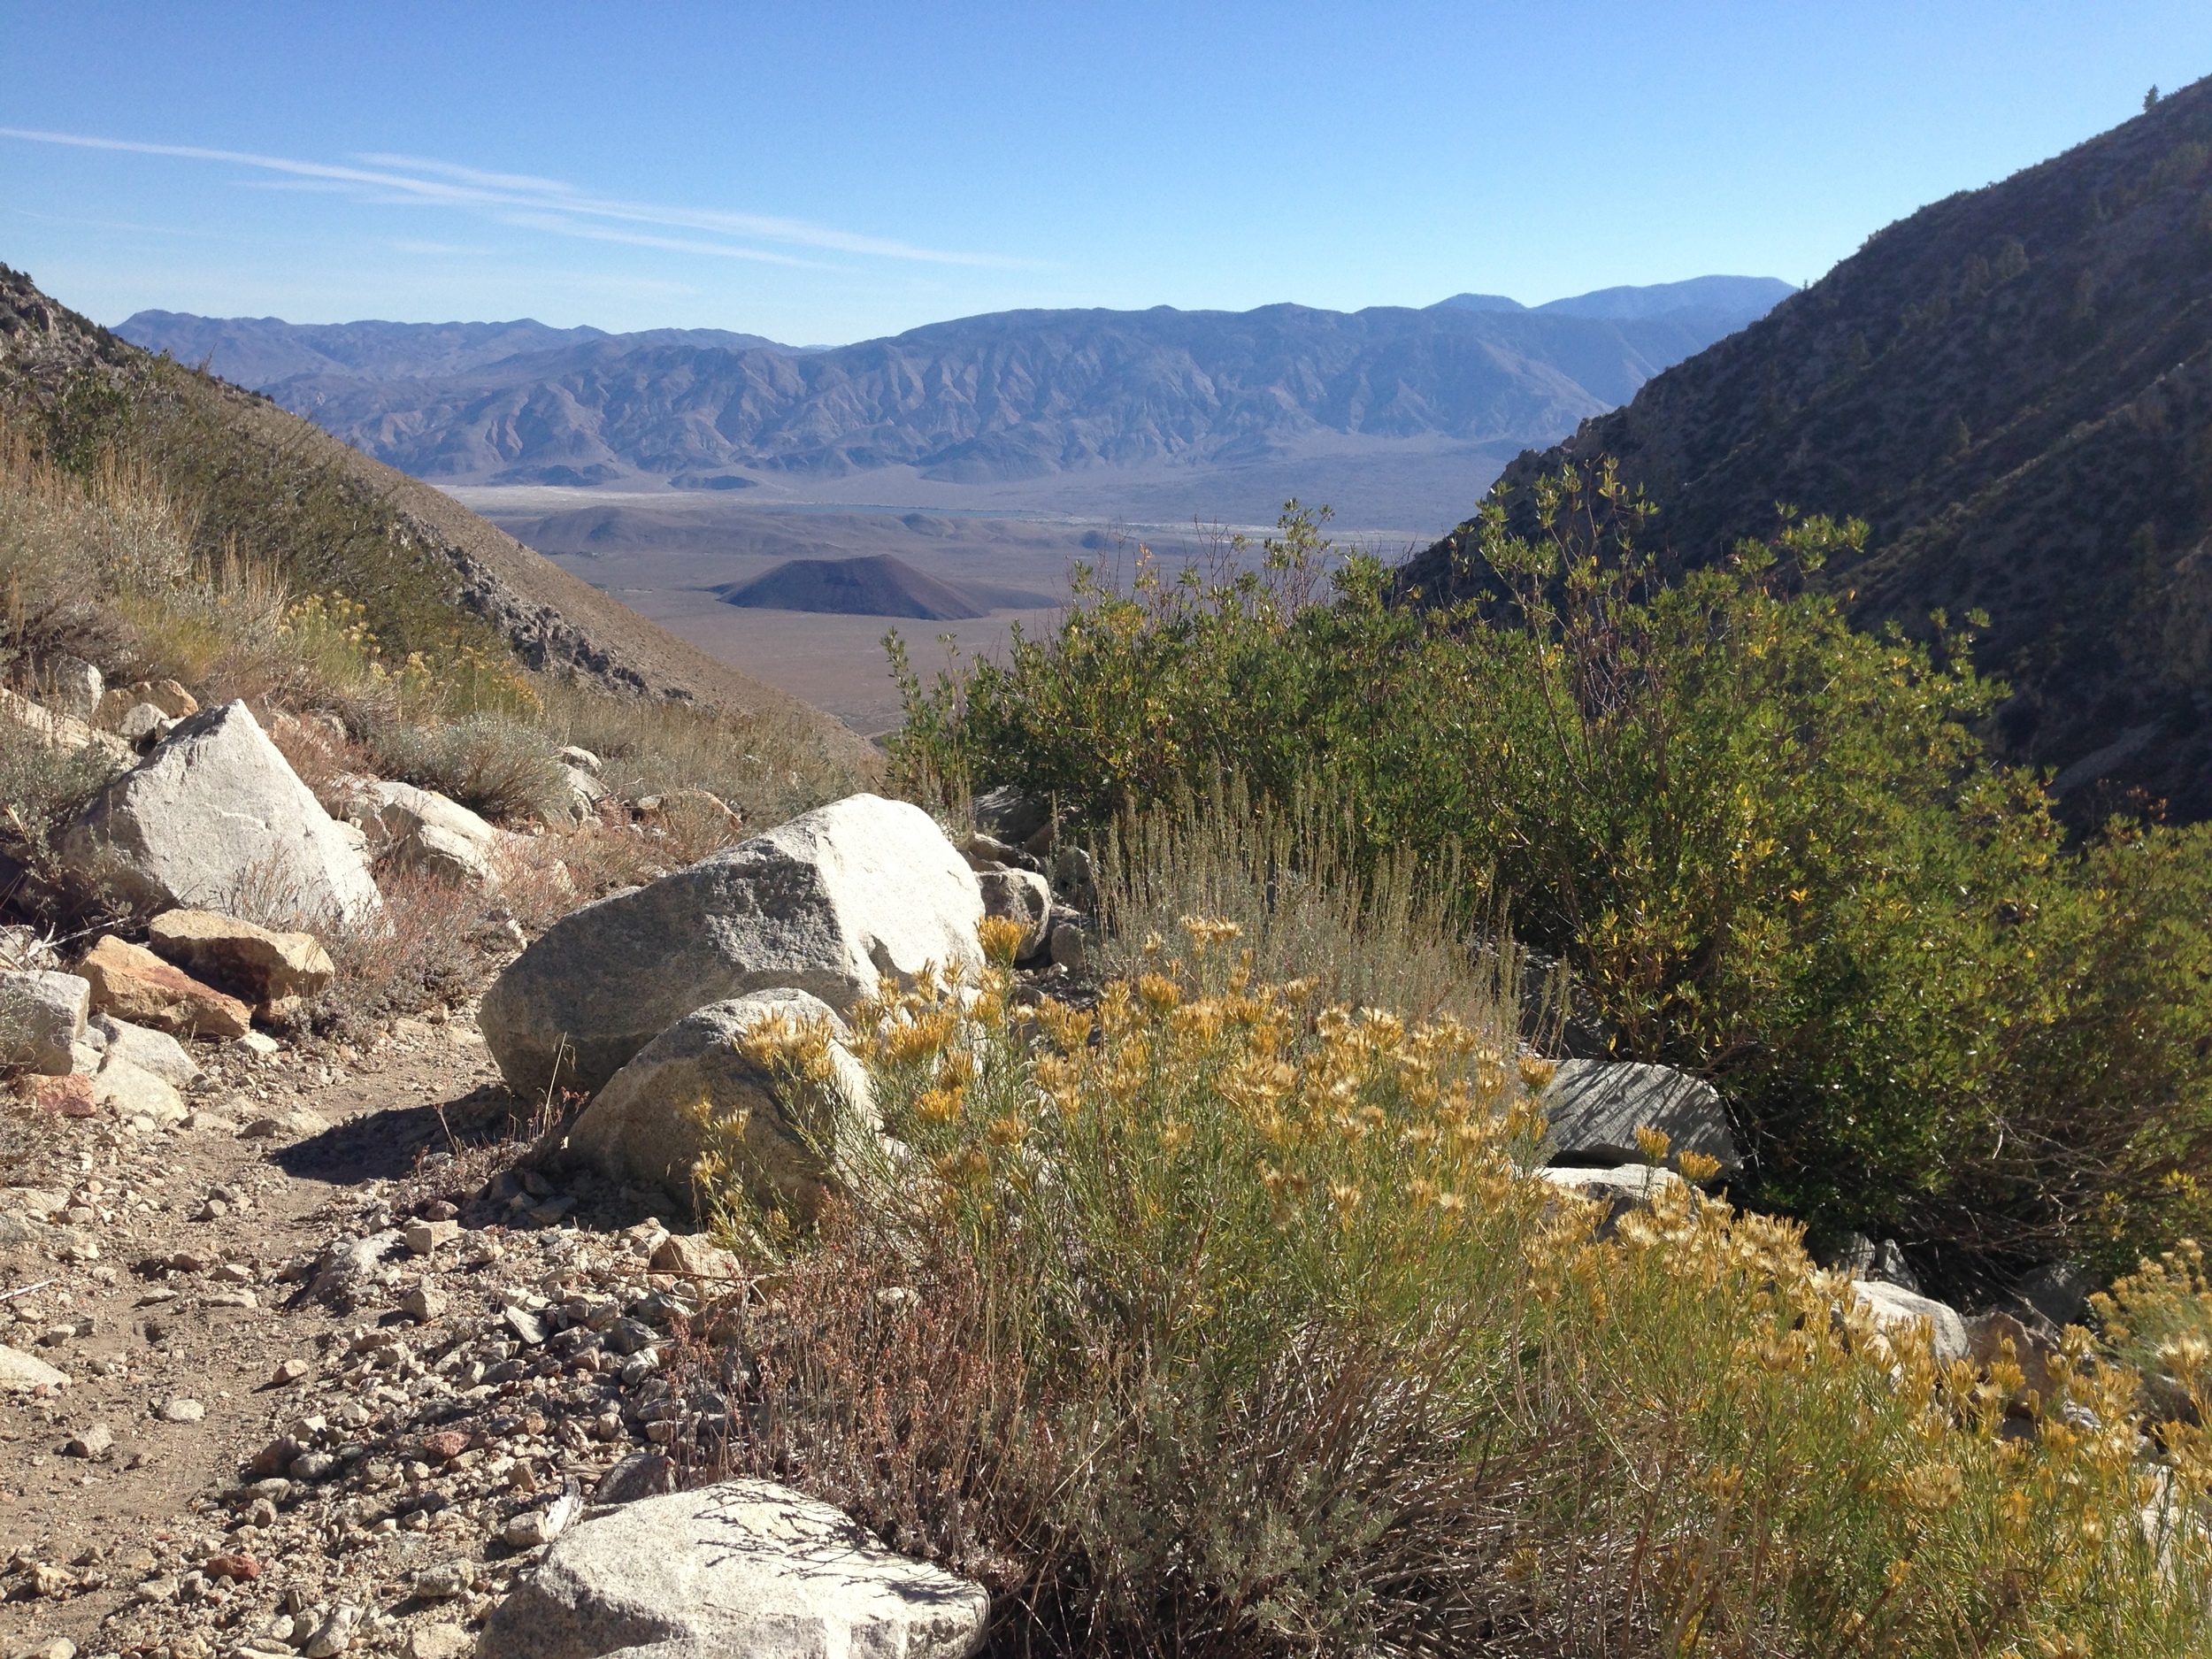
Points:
(161, 526)
(2013, 388)
(1769, 847)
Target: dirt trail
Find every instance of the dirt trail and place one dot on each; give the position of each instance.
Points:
(162, 1283)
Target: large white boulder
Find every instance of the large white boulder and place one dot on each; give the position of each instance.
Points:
(42, 1017)
(644, 1128)
(742, 1567)
(832, 904)
(1595, 1107)
(216, 814)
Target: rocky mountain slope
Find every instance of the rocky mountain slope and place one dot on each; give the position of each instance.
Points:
(1008, 396)
(259, 352)
(2014, 387)
(57, 364)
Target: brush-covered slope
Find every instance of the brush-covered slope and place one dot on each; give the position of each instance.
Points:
(432, 575)
(2014, 387)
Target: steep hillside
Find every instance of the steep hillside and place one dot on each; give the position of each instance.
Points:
(1011, 396)
(426, 570)
(2014, 387)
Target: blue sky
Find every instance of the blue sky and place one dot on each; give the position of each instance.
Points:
(825, 173)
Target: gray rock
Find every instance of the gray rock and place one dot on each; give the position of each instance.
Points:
(73, 687)
(741, 1567)
(832, 903)
(154, 1051)
(20, 1372)
(132, 1093)
(1894, 1307)
(42, 1017)
(2059, 1291)
(1596, 1106)
(215, 815)
(1006, 814)
(639, 1475)
(1019, 896)
(581, 758)
(643, 1129)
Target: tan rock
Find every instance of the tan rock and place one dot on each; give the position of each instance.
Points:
(134, 984)
(63, 732)
(171, 699)
(691, 1256)
(273, 971)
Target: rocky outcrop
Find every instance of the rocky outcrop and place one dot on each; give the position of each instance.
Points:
(743, 1567)
(1596, 1106)
(832, 903)
(134, 984)
(42, 1017)
(274, 972)
(214, 814)
(646, 1126)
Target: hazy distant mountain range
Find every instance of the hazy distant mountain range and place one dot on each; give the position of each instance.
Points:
(1008, 396)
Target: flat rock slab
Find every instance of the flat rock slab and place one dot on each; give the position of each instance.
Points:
(833, 903)
(271, 969)
(743, 1567)
(1596, 1106)
(131, 983)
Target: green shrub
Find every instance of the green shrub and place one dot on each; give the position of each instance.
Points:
(489, 762)
(1219, 1323)
(1768, 848)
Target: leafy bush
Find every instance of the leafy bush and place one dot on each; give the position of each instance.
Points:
(1768, 848)
(1219, 1323)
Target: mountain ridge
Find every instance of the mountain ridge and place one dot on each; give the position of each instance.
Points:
(2013, 387)
(1004, 395)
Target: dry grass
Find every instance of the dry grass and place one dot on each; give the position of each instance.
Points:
(1285, 876)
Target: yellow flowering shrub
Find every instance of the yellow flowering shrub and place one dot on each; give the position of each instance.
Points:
(1214, 1320)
